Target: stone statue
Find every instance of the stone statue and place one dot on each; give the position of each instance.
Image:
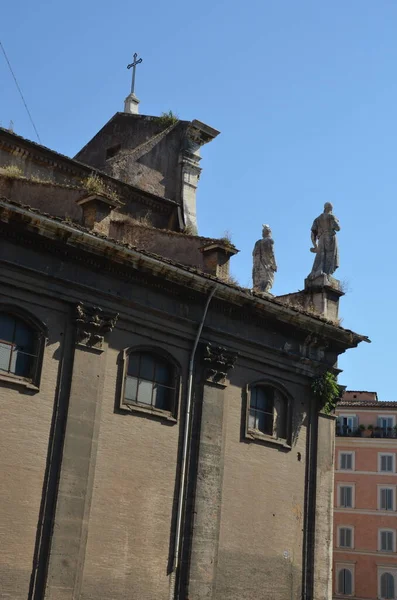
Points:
(264, 263)
(325, 244)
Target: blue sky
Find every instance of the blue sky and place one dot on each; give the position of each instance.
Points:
(304, 94)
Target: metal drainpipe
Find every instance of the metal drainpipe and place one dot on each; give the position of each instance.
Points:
(185, 448)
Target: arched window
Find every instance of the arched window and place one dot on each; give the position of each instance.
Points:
(267, 411)
(345, 582)
(387, 586)
(20, 345)
(150, 382)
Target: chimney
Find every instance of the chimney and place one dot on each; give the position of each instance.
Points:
(216, 257)
(96, 211)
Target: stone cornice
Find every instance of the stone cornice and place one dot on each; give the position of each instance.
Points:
(93, 247)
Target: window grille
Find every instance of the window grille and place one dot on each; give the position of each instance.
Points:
(150, 382)
(267, 411)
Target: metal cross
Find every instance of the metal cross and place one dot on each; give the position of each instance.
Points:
(133, 65)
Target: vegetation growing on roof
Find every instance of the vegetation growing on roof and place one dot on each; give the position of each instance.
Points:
(167, 119)
(12, 172)
(327, 391)
(226, 238)
(95, 185)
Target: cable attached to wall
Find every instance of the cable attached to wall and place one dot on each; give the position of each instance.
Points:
(20, 91)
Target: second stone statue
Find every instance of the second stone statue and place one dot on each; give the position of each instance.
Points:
(264, 262)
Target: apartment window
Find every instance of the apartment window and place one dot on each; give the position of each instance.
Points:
(386, 463)
(385, 421)
(347, 424)
(267, 412)
(345, 582)
(346, 461)
(345, 537)
(387, 586)
(21, 347)
(150, 382)
(346, 496)
(386, 498)
(386, 540)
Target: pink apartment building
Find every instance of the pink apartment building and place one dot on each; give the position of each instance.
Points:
(365, 517)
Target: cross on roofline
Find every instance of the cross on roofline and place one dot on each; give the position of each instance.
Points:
(133, 65)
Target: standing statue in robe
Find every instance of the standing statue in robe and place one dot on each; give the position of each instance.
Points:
(264, 263)
(325, 244)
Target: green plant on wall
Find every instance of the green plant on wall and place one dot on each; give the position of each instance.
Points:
(326, 389)
(168, 118)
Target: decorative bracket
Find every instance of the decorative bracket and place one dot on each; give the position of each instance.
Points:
(92, 324)
(218, 362)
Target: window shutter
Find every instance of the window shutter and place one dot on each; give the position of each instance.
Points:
(342, 537)
(390, 421)
(390, 463)
(348, 496)
(341, 581)
(383, 499)
(387, 586)
(348, 461)
(348, 538)
(383, 463)
(389, 499)
(343, 461)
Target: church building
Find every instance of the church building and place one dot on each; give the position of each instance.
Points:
(159, 436)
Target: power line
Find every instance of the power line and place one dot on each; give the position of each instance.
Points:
(20, 92)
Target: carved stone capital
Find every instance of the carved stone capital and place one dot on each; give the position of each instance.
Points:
(314, 347)
(92, 324)
(218, 362)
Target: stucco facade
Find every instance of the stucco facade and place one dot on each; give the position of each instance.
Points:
(365, 517)
(196, 493)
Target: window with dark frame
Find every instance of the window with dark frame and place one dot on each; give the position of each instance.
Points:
(346, 496)
(345, 582)
(386, 463)
(346, 461)
(345, 537)
(386, 499)
(268, 409)
(19, 347)
(150, 382)
(387, 586)
(386, 541)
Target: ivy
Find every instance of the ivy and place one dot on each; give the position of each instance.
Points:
(326, 389)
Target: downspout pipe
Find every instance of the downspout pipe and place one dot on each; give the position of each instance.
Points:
(185, 450)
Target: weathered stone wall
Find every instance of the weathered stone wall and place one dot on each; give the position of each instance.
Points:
(148, 153)
(25, 424)
(114, 519)
(263, 494)
(324, 508)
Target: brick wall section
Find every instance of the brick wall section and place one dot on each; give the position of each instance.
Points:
(56, 200)
(25, 428)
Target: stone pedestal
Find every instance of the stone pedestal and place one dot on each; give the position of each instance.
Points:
(322, 296)
(131, 104)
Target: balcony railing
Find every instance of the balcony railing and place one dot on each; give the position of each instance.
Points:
(376, 432)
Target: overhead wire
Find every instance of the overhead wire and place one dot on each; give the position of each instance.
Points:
(20, 92)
